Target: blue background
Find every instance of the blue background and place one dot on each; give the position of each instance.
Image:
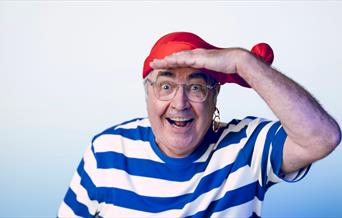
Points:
(71, 69)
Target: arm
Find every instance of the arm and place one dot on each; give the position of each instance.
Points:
(312, 132)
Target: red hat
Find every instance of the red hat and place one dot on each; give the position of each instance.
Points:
(180, 41)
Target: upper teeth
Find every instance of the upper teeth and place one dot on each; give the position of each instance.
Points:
(180, 119)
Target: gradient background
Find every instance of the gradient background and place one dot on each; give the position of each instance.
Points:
(71, 69)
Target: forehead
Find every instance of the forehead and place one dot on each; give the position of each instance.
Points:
(180, 74)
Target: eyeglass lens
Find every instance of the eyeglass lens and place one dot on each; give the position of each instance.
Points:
(196, 90)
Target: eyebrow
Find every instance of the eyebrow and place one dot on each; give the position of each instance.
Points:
(166, 73)
(198, 74)
(195, 75)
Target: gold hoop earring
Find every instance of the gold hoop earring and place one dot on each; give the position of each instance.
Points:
(216, 120)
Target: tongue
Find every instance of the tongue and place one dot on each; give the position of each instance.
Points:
(180, 123)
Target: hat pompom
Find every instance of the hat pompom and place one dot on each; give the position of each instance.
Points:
(264, 51)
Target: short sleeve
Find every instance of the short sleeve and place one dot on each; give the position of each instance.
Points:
(276, 159)
(268, 139)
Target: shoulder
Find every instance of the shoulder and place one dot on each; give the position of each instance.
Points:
(247, 126)
(130, 129)
(124, 137)
(249, 122)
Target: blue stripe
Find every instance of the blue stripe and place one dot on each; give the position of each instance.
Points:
(77, 207)
(209, 138)
(277, 151)
(115, 130)
(232, 138)
(230, 199)
(234, 122)
(254, 215)
(248, 149)
(142, 167)
(146, 134)
(299, 176)
(132, 200)
(129, 199)
(148, 168)
(277, 155)
(237, 121)
(269, 184)
(139, 133)
(86, 182)
(269, 138)
(251, 117)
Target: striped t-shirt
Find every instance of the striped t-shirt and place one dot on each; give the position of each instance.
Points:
(124, 173)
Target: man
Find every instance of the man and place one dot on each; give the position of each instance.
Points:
(181, 161)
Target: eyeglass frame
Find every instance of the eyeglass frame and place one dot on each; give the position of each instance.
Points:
(184, 85)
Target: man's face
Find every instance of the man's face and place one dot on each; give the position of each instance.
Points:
(179, 124)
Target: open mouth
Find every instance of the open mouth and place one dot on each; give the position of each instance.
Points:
(179, 122)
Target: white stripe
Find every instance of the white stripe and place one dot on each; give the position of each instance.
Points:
(121, 179)
(134, 124)
(271, 176)
(242, 210)
(291, 176)
(110, 210)
(130, 148)
(237, 179)
(206, 154)
(82, 194)
(153, 187)
(65, 211)
(257, 153)
(231, 128)
(141, 185)
(237, 127)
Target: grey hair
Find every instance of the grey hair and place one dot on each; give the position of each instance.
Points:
(145, 83)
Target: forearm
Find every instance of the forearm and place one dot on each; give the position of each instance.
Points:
(303, 119)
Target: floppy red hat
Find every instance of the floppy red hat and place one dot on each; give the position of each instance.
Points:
(180, 41)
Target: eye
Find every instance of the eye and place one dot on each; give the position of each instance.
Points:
(165, 86)
(196, 88)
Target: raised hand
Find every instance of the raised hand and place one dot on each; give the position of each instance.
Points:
(220, 60)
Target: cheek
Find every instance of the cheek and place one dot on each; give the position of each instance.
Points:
(155, 108)
(205, 113)
(207, 118)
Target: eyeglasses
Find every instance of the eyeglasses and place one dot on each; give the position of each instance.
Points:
(166, 90)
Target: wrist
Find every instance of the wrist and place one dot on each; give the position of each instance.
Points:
(244, 60)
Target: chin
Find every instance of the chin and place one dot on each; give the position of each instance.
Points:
(182, 145)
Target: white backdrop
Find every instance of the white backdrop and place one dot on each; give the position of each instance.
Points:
(71, 69)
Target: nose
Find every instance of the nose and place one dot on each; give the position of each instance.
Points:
(180, 101)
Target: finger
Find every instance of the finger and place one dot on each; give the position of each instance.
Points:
(189, 58)
(173, 61)
(181, 59)
(167, 62)
(158, 64)
(185, 58)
